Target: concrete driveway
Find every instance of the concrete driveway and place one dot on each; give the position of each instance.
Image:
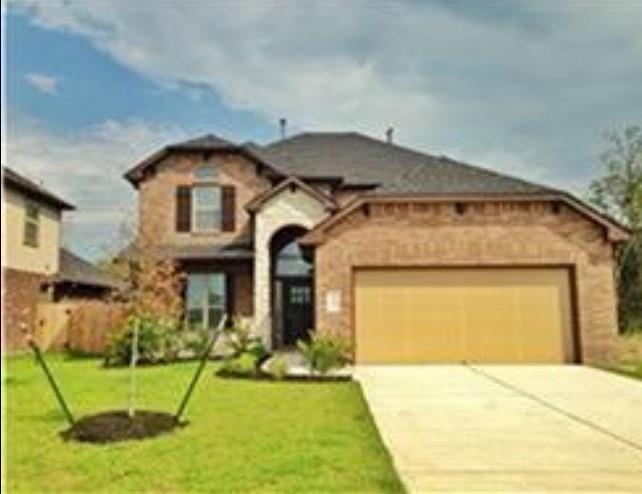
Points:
(508, 428)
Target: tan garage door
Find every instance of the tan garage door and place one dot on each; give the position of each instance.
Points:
(462, 315)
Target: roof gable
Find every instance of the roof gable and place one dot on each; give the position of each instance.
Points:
(13, 179)
(615, 232)
(292, 183)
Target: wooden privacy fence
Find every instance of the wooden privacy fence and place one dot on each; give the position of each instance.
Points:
(82, 326)
(51, 324)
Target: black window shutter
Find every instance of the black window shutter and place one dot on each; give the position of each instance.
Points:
(183, 208)
(229, 295)
(228, 205)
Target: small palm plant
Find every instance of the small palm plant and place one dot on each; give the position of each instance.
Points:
(324, 351)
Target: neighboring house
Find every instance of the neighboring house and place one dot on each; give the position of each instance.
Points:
(78, 279)
(34, 267)
(412, 257)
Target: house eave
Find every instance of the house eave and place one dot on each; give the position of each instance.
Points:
(615, 231)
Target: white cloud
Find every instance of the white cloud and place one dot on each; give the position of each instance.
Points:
(43, 83)
(86, 168)
(536, 82)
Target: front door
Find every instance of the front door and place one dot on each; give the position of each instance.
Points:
(297, 309)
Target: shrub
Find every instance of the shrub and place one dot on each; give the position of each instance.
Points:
(158, 340)
(278, 367)
(324, 352)
(195, 340)
(245, 364)
(240, 341)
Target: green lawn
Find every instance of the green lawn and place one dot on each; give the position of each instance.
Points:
(243, 436)
(626, 356)
(633, 370)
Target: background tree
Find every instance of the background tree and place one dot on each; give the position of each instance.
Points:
(618, 192)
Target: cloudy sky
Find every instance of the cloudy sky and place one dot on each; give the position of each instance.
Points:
(528, 88)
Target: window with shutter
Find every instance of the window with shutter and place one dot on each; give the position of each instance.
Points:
(206, 208)
(183, 208)
(229, 208)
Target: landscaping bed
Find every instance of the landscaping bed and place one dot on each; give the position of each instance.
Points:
(117, 425)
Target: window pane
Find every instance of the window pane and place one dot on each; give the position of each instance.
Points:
(207, 207)
(214, 316)
(207, 197)
(290, 261)
(205, 299)
(216, 296)
(208, 220)
(32, 211)
(195, 318)
(206, 172)
(31, 233)
(196, 286)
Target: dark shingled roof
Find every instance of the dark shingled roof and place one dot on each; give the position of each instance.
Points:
(74, 269)
(32, 189)
(357, 159)
(230, 251)
(397, 170)
(208, 141)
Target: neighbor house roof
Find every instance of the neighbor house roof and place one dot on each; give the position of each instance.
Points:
(32, 189)
(75, 269)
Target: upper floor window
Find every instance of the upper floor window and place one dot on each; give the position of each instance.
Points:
(32, 224)
(206, 207)
(205, 172)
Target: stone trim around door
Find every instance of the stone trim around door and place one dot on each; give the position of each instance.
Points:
(288, 208)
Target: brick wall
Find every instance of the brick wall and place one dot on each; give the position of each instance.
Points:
(21, 292)
(485, 234)
(157, 196)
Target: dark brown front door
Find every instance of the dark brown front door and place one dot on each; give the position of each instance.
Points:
(297, 309)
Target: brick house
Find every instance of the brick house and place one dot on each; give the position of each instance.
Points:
(34, 266)
(412, 257)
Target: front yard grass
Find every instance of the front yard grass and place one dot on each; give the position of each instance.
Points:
(626, 357)
(633, 370)
(243, 436)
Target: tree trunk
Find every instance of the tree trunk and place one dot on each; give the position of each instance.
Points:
(131, 410)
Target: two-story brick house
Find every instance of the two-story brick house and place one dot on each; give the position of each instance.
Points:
(413, 257)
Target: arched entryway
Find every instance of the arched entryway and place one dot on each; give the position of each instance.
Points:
(292, 281)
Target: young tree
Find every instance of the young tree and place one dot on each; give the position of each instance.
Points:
(618, 192)
(154, 300)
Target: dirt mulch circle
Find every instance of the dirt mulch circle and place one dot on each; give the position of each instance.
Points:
(106, 427)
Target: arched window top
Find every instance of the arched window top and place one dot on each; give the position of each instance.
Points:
(291, 262)
(206, 171)
(287, 255)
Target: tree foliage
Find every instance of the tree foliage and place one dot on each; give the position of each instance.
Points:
(618, 192)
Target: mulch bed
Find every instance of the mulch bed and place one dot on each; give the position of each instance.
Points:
(117, 425)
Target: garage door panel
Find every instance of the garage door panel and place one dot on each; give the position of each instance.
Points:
(454, 315)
